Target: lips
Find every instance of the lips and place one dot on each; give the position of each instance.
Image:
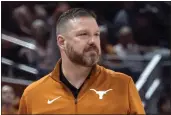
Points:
(92, 49)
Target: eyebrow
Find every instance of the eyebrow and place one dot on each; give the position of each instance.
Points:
(98, 31)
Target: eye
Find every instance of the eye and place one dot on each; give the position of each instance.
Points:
(83, 34)
(97, 34)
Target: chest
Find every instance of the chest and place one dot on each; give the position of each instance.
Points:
(93, 101)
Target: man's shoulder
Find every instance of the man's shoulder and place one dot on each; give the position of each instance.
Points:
(37, 85)
(113, 75)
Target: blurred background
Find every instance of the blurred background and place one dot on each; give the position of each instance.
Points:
(135, 40)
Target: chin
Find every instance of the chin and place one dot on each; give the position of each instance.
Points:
(90, 63)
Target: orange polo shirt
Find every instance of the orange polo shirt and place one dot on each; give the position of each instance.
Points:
(106, 92)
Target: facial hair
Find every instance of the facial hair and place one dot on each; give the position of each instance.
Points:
(81, 58)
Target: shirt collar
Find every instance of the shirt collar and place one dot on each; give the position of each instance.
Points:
(56, 73)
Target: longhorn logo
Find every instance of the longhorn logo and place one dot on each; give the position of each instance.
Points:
(101, 93)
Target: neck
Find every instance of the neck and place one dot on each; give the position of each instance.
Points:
(75, 74)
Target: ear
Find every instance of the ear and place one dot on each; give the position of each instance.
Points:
(61, 41)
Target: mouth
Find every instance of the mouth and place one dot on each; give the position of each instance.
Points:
(92, 50)
(92, 53)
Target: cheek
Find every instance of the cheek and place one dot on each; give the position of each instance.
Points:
(79, 46)
(98, 43)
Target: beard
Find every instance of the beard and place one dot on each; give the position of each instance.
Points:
(88, 58)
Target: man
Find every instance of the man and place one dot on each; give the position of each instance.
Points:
(78, 85)
(25, 15)
(8, 99)
(127, 47)
(125, 16)
(41, 56)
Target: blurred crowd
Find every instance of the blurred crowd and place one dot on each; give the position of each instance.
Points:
(32, 23)
(127, 29)
(10, 101)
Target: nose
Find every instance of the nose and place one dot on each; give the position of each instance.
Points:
(91, 41)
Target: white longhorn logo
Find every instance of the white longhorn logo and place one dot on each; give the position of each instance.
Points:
(101, 93)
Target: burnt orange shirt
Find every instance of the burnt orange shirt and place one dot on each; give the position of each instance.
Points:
(106, 92)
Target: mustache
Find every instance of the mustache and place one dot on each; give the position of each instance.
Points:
(92, 47)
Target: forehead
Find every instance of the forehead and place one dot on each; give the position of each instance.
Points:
(83, 23)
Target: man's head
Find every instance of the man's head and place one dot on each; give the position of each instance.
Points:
(40, 31)
(125, 35)
(7, 94)
(78, 37)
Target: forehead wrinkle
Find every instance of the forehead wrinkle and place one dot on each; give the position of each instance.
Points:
(72, 25)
